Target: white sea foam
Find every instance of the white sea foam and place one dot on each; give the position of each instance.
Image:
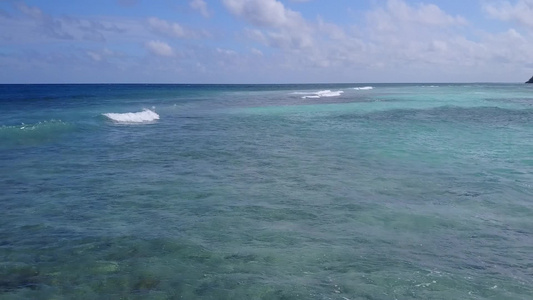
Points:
(137, 117)
(363, 88)
(40, 126)
(33, 134)
(320, 94)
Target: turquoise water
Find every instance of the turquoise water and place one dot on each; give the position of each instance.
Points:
(398, 191)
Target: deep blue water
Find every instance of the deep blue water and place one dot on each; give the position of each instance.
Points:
(348, 191)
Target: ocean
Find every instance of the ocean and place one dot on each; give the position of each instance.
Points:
(317, 191)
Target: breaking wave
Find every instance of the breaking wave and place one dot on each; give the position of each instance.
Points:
(33, 134)
(144, 116)
(363, 88)
(40, 126)
(320, 94)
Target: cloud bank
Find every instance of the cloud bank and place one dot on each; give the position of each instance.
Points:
(269, 41)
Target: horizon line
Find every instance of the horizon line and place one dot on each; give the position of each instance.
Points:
(287, 83)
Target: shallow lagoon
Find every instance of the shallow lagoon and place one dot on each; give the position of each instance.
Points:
(255, 192)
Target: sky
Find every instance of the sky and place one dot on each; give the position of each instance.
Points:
(265, 41)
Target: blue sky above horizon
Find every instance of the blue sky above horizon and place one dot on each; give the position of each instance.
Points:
(265, 41)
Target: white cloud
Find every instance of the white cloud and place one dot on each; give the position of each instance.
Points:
(264, 13)
(47, 25)
(34, 26)
(159, 48)
(31, 11)
(397, 15)
(101, 55)
(395, 35)
(166, 28)
(173, 29)
(395, 40)
(256, 52)
(510, 47)
(406, 34)
(226, 51)
(521, 12)
(200, 6)
(94, 56)
(280, 26)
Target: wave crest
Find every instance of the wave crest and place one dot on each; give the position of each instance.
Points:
(363, 88)
(133, 117)
(33, 134)
(320, 94)
(43, 125)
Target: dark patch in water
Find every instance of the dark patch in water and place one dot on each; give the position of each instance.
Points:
(19, 277)
(242, 257)
(490, 115)
(146, 283)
